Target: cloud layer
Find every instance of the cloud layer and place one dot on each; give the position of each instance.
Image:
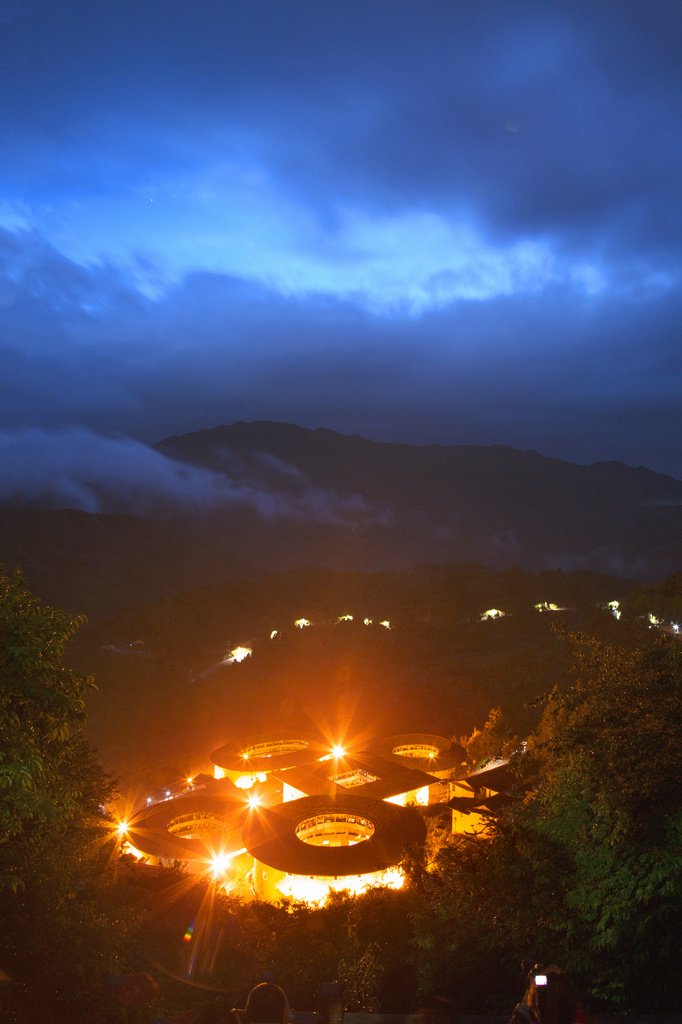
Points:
(82, 470)
(435, 222)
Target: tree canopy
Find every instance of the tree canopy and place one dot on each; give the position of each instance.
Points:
(585, 870)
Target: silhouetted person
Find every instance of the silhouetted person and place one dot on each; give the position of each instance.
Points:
(267, 1003)
(550, 999)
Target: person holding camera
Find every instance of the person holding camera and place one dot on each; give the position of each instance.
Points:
(550, 999)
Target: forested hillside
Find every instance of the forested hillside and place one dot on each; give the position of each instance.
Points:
(426, 657)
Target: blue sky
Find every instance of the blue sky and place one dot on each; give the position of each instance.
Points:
(426, 221)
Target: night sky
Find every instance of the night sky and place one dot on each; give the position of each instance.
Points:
(425, 221)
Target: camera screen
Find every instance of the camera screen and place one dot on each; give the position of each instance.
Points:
(540, 979)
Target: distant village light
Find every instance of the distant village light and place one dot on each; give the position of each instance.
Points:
(492, 613)
(239, 653)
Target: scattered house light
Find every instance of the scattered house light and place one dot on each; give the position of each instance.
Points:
(300, 623)
(239, 653)
(345, 618)
(492, 613)
(273, 634)
(386, 624)
(368, 622)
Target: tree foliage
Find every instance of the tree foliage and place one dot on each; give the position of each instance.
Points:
(585, 870)
(41, 711)
(53, 861)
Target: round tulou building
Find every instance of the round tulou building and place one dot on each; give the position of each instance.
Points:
(289, 815)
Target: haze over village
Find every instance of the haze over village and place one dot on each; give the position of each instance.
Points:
(340, 510)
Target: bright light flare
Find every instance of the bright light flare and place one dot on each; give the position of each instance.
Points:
(220, 864)
(254, 801)
(222, 861)
(338, 752)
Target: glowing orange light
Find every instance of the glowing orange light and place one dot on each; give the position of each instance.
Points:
(220, 863)
(338, 751)
(254, 801)
(315, 891)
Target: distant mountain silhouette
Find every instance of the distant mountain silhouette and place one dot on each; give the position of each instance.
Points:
(398, 505)
(295, 497)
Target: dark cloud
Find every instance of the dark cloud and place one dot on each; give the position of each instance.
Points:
(571, 379)
(432, 221)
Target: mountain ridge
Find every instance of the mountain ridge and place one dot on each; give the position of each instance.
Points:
(281, 496)
(495, 504)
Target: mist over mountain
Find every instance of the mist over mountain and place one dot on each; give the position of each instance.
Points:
(101, 522)
(404, 505)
